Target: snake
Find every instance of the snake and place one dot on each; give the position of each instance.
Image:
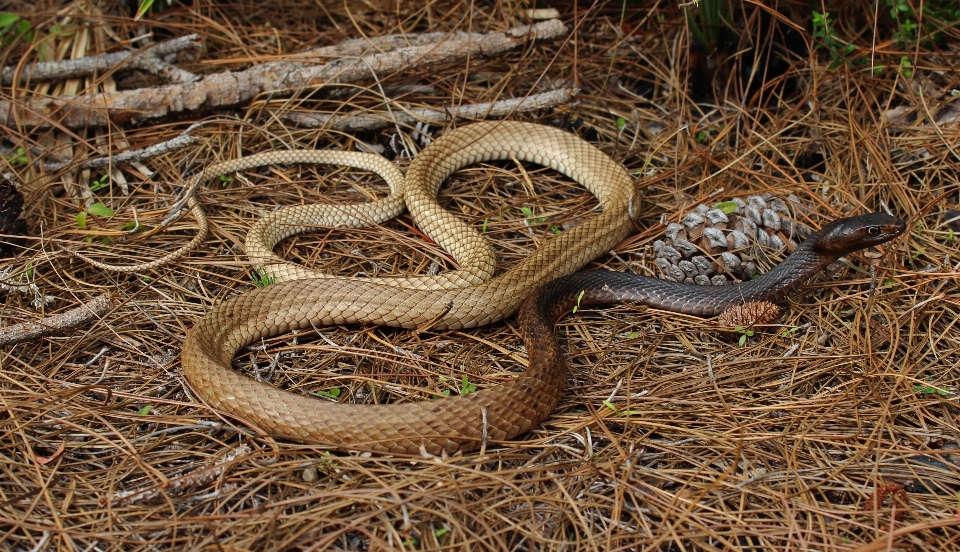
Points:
(501, 412)
(417, 192)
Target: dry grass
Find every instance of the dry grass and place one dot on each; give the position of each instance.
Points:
(780, 444)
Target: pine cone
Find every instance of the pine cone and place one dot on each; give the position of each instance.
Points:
(712, 247)
(753, 313)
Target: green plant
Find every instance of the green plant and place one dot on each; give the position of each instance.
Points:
(145, 410)
(261, 278)
(613, 407)
(331, 394)
(728, 207)
(484, 227)
(579, 297)
(936, 15)
(13, 26)
(145, 6)
(710, 16)
(744, 334)
(18, 157)
(224, 179)
(96, 210)
(829, 41)
(930, 390)
(466, 387)
(527, 212)
(789, 332)
(99, 183)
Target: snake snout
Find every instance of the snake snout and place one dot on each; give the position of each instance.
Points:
(851, 234)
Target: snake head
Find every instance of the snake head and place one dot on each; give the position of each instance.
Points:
(851, 234)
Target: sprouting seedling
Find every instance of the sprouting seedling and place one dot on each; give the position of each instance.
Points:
(579, 297)
(99, 183)
(744, 334)
(96, 210)
(145, 410)
(331, 394)
(555, 229)
(466, 387)
(527, 212)
(621, 122)
(224, 179)
(613, 407)
(261, 278)
(924, 389)
(788, 332)
(484, 227)
(18, 157)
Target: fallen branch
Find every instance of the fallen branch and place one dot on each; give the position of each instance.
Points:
(235, 88)
(179, 485)
(58, 323)
(148, 59)
(130, 156)
(353, 123)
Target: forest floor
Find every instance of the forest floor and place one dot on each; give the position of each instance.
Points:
(835, 428)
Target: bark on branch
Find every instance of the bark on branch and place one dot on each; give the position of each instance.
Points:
(235, 88)
(149, 59)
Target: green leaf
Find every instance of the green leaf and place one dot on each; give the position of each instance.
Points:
(484, 227)
(466, 387)
(7, 19)
(633, 334)
(526, 211)
(702, 136)
(100, 210)
(621, 122)
(261, 278)
(743, 340)
(82, 220)
(889, 283)
(145, 410)
(579, 297)
(145, 6)
(727, 207)
(555, 229)
(332, 394)
(610, 405)
(440, 532)
(930, 390)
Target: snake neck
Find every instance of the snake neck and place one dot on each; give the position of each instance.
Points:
(600, 289)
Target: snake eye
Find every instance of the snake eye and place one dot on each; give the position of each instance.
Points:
(873, 231)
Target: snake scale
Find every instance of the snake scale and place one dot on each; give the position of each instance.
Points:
(504, 411)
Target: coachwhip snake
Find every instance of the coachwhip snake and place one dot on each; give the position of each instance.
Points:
(504, 411)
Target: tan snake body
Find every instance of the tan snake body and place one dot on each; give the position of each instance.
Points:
(453, 423)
